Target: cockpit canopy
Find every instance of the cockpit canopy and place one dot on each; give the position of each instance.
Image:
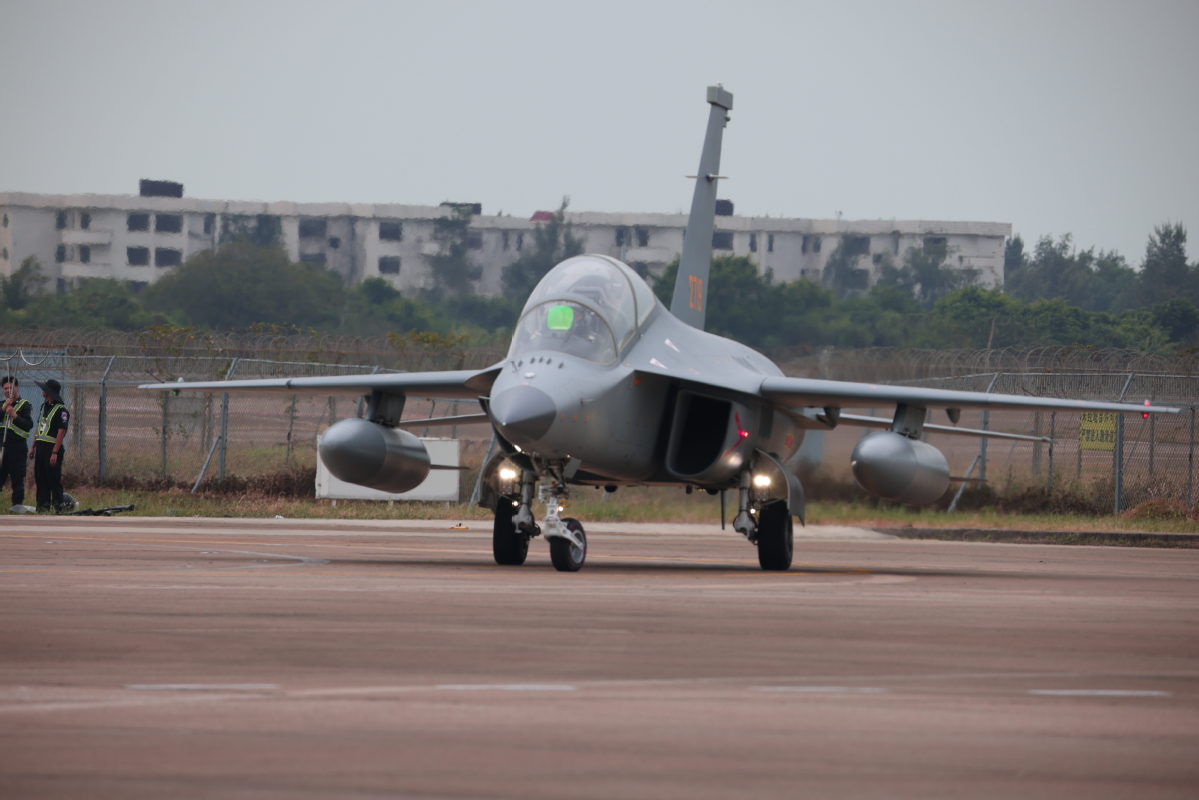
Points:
(588, 306)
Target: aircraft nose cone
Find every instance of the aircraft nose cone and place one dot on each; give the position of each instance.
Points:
(523, 412)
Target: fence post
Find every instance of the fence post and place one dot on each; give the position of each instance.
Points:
(1191, 464)
(982, 443)
(166, 427)
(225, 424)
(1052, 435)
(102, 423)
(1118, 461)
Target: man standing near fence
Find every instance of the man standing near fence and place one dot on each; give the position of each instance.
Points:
(16, 422)
(48, 450)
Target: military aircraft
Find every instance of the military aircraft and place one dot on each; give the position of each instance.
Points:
(603, 386)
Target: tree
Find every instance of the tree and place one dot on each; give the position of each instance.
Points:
(241, 283)
(1165, 274)
(451, 266)
(842, 274)
(19, 288)
(552, 242)
(100, 303)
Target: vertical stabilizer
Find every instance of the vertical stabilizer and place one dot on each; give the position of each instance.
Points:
(691, 286)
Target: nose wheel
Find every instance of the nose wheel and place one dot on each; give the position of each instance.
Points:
(568, 554)
(509, 546)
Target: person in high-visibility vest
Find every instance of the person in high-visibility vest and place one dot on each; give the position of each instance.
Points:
(48, 451)
(16, 423)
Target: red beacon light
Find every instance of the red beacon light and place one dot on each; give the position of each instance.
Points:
(1145, 414)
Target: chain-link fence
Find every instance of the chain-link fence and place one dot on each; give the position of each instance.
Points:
(1119, 460)
(119, 431)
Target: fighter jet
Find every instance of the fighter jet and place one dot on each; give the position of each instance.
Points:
(604, 386)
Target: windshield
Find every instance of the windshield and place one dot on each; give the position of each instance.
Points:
(588, 306)
(566, 327)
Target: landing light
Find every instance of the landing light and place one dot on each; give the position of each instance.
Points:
(762, 481)
(507, 474)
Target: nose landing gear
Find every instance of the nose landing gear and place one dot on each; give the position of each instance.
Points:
(767, 523)
(514, 526)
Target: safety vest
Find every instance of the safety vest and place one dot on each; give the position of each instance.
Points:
(43, 424)
(10, 423)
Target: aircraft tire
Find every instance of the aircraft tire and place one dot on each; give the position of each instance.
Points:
(564, 555)
(508, 545)
(775, 537)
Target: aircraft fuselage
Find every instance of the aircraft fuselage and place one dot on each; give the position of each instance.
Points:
(651, 416)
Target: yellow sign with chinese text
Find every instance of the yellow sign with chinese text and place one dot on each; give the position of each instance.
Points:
(1097, 431)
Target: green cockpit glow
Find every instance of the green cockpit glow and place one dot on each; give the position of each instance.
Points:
(560, 318)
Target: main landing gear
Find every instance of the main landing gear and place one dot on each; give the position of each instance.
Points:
(514, 526)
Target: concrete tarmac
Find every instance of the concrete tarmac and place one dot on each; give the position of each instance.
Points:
(295, 659)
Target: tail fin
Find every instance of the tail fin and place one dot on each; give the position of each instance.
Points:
(690, 287)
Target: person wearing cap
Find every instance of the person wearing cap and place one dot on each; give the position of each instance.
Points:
(48, 451)
(16, 423)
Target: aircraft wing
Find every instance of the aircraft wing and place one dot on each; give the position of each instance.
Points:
(466, 383)
(816, 393)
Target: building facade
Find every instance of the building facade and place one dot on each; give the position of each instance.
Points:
(139, 238)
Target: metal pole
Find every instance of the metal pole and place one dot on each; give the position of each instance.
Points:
(1152, 441)
(102, 445)
(982, 444)
(1191, 464)
(224, 435)
(1052, 434)
(953, 505)
(1036, 446)
(204, 467)
(1118, 461)
(166, 427)
(291, 425)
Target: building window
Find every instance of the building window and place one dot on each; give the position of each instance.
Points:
(313, 228)
(722, 240)
(313, 258)
(60, 255)
(61, 221)
(856, 245)
(334, 242)
(816, 243)
(6, 220)
(138, 222)
(391, 231)
(85, 220)
(622, 235)
(770, 243)
(474, 240)
(168, 223)
(85, 254)
(209, 223)
(935, 241)
(753, 243)
(504, 237)
(138, 256)
(389, 265)
(642, 237)
(520, 241)
(167, 257)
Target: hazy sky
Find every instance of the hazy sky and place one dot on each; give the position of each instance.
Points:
(1066, 116)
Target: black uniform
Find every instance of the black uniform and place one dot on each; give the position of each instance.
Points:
(15, 431)
(53, 418)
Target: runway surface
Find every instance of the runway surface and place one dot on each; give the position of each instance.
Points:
(287, 659)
